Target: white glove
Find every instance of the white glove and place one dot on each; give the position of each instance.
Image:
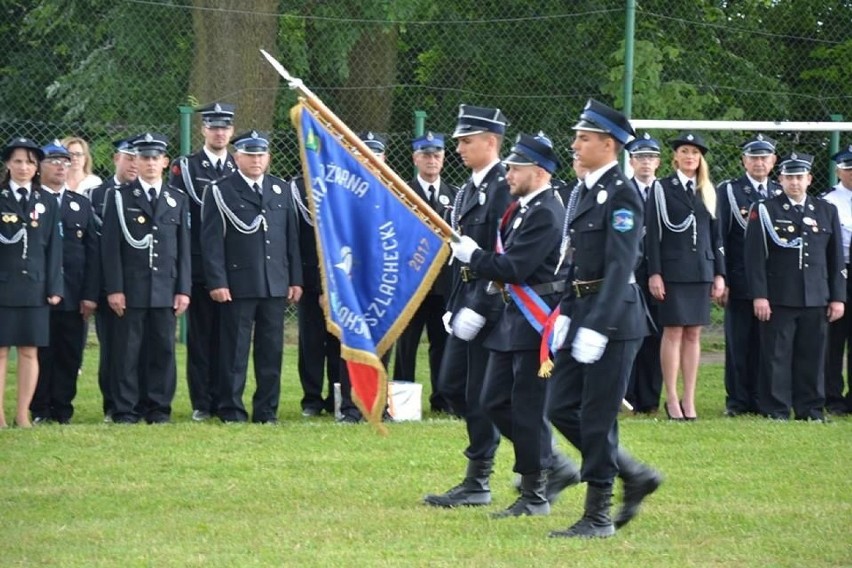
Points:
(467, 324)
(588, 345)
(560, 330)
(295, 83)
(447, 318)
(463, 249)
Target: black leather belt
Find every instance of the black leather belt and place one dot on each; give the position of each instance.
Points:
(541, 289)
(467, 275)
(586, 287)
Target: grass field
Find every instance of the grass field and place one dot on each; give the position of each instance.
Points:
(309, 492)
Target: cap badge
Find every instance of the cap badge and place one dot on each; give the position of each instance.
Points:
(760, 137)
(794, 156)
(56, 142)
(690, 137)
(22, 140)
(148, 137)
(647, 136)
(254, 134)
(429, 136)
(217, 108)
(370, 136)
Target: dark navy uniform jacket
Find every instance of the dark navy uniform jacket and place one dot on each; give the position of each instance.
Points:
(774, 272)
(147, 281)
(673, 255)
(443, 206)
(531, 238)
(28, 282)
(605, 234)
(732, 221)
(80, 251)
(263, 264)
(478, 216)
(201, 172)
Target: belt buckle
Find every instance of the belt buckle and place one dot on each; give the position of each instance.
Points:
(577, 290)
(505, 295)
(464, 271)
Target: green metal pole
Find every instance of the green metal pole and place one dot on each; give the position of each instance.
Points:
(185, 148)
(629, 39)
(833, 148)
(419, 126)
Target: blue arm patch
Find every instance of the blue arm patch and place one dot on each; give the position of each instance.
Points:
(622, 220)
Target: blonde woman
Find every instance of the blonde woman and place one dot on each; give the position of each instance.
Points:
(685, 266)
(80, 176)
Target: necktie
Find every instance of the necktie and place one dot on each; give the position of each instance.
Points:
(761, 190)
(22, 192)
(510, 212)
(800, 209)
(689, 187)
(432, 198)
(152, 195)
(257, 189)
(219, 167)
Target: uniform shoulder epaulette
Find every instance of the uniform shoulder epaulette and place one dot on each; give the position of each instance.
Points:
(826, 192)
(176, 190)
(725, 182)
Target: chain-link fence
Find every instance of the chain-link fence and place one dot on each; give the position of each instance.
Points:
(101, 69)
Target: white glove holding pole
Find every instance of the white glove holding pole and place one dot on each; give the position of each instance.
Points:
(560, 331)
(447, 318)
(463, 249)
(467, 324)
(588, 345)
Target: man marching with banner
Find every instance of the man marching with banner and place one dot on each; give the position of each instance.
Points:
(523, 271)
(380, 246)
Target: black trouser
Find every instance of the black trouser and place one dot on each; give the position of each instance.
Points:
(202, 348)
(742, 356)
(584, 402)
(452, 378)
(463, 370)
(266, 316)
(514, 398)
(105, 330)
(319, 353)
(428, 315)
(646, 377)
(58, 367)
(839, 340)
(794, 341)
(149, 393)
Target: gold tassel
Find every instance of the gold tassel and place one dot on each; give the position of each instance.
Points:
(546, 369)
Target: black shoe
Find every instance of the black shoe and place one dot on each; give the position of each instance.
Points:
(474, 491)
(41, 420)
(311, 412)
(124, 419)
(348, 419)
(635, 491)
(669, 414)
(200, 415)
(270, 420)
(158, 418)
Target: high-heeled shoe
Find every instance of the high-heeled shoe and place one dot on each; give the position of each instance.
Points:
(669, 414)
(685, 417)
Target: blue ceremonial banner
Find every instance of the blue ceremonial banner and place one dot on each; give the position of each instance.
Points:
(378, 254)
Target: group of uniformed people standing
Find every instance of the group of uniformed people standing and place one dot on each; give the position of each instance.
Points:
(541, 271)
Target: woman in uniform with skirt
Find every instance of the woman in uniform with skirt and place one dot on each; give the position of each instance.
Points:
(685, 266)
(30, 269)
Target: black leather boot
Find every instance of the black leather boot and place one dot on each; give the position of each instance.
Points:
(474, 491)
(596, 522)
(533, 499)
(639, 482)
(563, 473)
